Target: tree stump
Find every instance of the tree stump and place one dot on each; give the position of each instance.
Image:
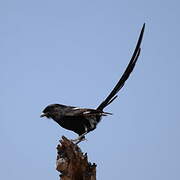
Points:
(72, 163)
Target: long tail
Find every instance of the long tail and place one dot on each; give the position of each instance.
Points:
(112, 96)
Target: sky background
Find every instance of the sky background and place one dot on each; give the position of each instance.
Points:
(73, 53)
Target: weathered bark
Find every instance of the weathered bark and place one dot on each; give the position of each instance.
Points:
(72, 163)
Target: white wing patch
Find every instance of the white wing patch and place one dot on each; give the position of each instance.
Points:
(86, 112)
(76, 108)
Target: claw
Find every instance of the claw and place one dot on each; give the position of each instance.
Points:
(79, 139)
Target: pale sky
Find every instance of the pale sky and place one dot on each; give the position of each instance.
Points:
(73, 53)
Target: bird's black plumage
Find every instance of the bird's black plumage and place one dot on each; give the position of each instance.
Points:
(84, 120)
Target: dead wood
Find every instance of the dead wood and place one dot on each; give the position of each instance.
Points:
(72, 163)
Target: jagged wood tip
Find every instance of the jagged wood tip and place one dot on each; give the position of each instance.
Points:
(72, 163)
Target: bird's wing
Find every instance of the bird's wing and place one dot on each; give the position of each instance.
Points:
(112, 96)
(76, 111)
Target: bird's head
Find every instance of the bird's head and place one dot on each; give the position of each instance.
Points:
(51, 111)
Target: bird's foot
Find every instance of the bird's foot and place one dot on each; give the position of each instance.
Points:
(79, 139)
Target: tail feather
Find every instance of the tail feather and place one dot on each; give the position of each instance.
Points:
(112, 96)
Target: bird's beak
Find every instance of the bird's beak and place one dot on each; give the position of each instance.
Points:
(43, 115)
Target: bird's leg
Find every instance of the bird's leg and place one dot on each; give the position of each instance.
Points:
(80, 140)
(81, 137)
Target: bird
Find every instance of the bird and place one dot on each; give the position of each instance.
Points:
(84, 120)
